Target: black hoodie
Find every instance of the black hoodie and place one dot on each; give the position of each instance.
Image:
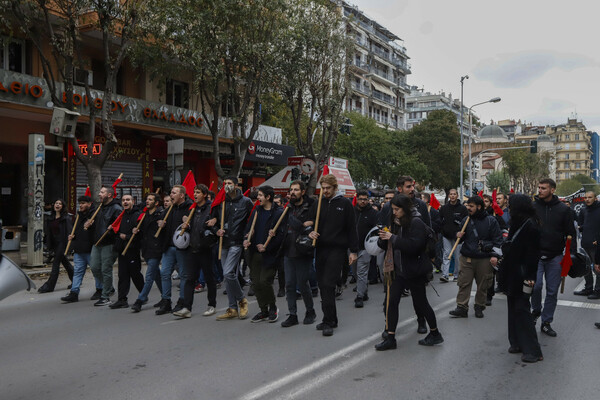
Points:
(175, 219)
(237, 213)
(589, 224)
(337, 226)
(106, 216)
(556, 224)
(152, 247)
(451, 215)
(83, 241)
(488, 231)
(366, 218)
(129, 221)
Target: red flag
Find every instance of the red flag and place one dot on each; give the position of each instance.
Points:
(566, 260)
(219, 198)
(212, 184)
(512, 190)
(194, 205)
(326, 170)
(480, 194)
(88, 192)
(189, 183)
(354, 201)
(256, 203)
(497, 209)
(433, 202)
(117, 224)
(247, 192)
(494, 196)
(114, 186)
(142, 214)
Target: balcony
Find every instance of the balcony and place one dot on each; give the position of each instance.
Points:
(403, 65)
(382, 54)
(381, 74)
(378, 118)
(360, 64)
(362, 43)
(361, 88)
(383, 97)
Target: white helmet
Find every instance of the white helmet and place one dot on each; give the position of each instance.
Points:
(371, 242)
(181, 241)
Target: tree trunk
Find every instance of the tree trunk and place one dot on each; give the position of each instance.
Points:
(94, 173)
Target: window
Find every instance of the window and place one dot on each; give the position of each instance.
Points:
(566, 137)
(12, 54)
(567, 165)
(567, 156)
(578, 165)
(577, 136)
(567, 146)
(177, 93)
(578, 146)
(577, 155)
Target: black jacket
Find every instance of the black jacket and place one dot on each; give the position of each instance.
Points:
(521, 256)
(409, 249)
(65, 224)
(237, 211)
(293, 223)
(501, 223)
(152, 247)
(337, 227)
(175, 219)
(198, 240)
(129, 221)
(589, 224)
(366, 218)
(273, 215)
(436, 220)
(84, 239)
(106, 216)
(451, 215)
(556, 224)
(385, 214)
(488, 233)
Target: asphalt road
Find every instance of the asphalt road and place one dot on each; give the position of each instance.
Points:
(50, 350)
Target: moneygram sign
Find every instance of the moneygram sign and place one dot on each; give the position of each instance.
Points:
(270, 153)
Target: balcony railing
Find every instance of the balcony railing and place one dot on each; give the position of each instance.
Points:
(361, 88)
(384, 97)
(381, 53)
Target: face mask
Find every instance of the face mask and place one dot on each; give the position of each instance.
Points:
(229, 188)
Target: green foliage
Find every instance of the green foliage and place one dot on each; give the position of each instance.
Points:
(526, 169)
(498, 179)
(572, 185)
(435, 143)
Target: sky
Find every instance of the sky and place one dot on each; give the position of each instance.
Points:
(541, 57)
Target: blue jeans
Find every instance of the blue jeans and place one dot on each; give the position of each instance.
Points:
(230, 259)
(549, 268)
(171, 257)
(152, 275)
(81, 261)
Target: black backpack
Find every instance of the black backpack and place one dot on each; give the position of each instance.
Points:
(430, 247)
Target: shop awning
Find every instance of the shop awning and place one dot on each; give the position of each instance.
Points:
(383, 88)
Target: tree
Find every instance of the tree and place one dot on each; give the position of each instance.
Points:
(229, 48)
(312, 71)
(570, 186)
(498, 179)
(379, 164)
(58, 24)
(436, 144)
(526, 169)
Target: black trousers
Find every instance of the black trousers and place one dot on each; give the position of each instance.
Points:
(262, 278)
(59, 258)
(280, 273)
(196, 262)
(419, 297)
(130, 267)
(329, 263)
(521, 328)
(589, 277)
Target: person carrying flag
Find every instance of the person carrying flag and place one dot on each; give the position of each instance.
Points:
(452, 213)
(151, 248)
(103, 256)
(262, 252)
(180, 206)
(130, 265)
(556, 224)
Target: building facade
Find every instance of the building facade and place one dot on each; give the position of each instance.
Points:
(573, 149)
(420, 103)
(378, 71)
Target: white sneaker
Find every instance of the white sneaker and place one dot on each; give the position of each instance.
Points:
(183, 313)
(209, 311)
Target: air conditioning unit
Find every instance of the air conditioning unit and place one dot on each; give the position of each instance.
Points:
(81, 76)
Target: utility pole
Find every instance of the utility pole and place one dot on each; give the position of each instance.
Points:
(462, 156)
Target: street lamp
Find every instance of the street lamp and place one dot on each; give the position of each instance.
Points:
(493, 100)
(462, 156)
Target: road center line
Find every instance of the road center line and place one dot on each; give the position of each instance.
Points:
(342, 353)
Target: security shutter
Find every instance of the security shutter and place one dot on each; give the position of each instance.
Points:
(132, 178)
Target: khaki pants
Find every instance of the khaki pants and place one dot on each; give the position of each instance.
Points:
(479, 269)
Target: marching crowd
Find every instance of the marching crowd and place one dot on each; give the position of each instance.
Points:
(314, 245)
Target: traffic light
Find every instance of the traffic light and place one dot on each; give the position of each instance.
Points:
(533, 148)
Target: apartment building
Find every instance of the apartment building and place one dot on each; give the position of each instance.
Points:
(573, 151)
(378, 71)
(420, 103)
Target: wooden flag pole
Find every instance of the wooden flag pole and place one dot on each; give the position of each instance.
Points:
(314, 243)
(94, 216)
(190, 215)
(133, 235)
(103, 235)
(251, 233)
(222, 224)
(72, 233)
(164, 220)
(277, 225)
(458, 239)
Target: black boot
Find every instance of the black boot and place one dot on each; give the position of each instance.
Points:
(72, 297)
(45, 288)
(388, 343)
(164, 308)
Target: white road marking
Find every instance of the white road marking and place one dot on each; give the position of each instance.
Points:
(334, 357)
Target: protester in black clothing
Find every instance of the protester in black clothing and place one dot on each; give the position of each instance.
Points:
(280, 202)
(203, 237)
(488, 204)
(297, 260)
(81, 245)
(597, 270)
(130, 265)
(336, 234)
(518, 274)
(589, 226)
(436, 225)
(58, 228)
(366, 219)
(151, 249)
(407, 266)
(452, 213)
(263, 258)
(406, 185)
